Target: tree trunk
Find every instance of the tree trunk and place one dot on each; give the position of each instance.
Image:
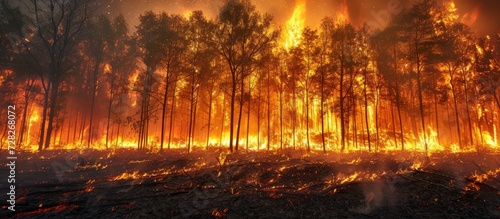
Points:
(398, 98)
(109, 116)
(248, 113)
(164, 110)
(258, 114)
(455, 104)
(341, 99)
(194, 123)
(231, 120)
(322, 110)
(94, 93)
(44, 115)
(366, 110)
(223, 118)
(191, 113)
(421, 102)
(172, 114)
(281, 111)
(27, 93)
(52, 113)
(242, 94)
(467, 110)
(294, 110)
(209, 117)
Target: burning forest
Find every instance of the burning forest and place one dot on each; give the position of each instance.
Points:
(178, 109)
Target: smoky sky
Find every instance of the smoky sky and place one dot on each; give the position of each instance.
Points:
(481, 15)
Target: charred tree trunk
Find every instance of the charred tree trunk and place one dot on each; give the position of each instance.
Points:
(248, 113)
(455, 104)
(242, 101)
(44, 114)
(294, 109)
(53, 110)
(467, 110)
(164, 110)
(366, 109)
(421, 101)
(210, 99)
(269, 113)
(233, 101)
(111, 96)
(172, 114)
(223, 118)
(322, 110)
(194, 123)
(258, 114)
(394, 126)
(94, 93)
(27, 93)
(191, 112)
(82, 129)
(341, 99)
(281, 110)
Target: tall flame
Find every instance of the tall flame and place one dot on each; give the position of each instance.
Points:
(294, 26)
(32, 119)
(342, 15)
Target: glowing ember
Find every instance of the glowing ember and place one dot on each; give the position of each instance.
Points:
(126, 175)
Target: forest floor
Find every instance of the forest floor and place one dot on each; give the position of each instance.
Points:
(284, 184)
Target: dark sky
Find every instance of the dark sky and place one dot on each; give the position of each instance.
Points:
(486, 12)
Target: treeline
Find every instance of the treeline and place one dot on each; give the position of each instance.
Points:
(425, 82)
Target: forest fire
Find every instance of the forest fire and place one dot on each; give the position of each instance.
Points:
(294, 26)
(217, 114)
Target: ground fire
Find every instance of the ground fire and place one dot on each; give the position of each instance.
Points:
(323, 109)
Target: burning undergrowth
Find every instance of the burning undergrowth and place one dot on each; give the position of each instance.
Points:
(257, 184)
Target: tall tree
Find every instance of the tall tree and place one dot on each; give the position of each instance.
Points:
(344, 37)
(242, 33)
(122, 61)
(51, 38)
(322, 76)
(200, 65)
(99, 34)
(311, 51)
(419, 30)
(456, 59)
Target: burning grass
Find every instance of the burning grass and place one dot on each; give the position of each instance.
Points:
(257, 184)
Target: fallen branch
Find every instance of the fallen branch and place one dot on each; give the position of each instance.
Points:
(484, 172)
(481, 184)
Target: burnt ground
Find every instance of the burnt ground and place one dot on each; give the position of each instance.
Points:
(286, 184)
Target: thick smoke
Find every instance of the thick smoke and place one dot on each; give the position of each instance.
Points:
(481, 15)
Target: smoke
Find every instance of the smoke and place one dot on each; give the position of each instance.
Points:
(481, 15)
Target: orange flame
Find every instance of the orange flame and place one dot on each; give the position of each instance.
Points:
(342, 15)
(294, 26)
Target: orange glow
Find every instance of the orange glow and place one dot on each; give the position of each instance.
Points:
(187, 14)
(471, 17)
(342, 15)
(132, 81)
(451, 10)
(126, 175)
